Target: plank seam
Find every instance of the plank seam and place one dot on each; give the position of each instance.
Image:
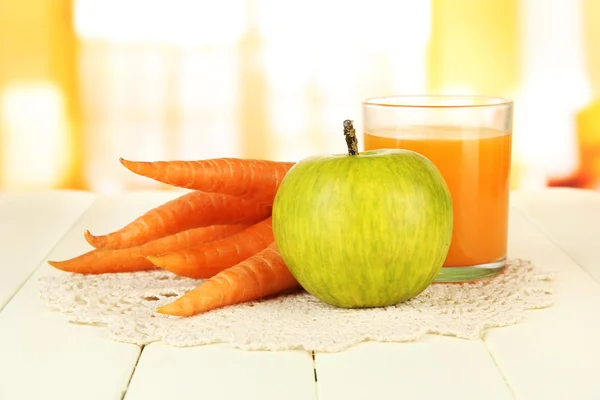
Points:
(506, 382)
(28, 277)
(316, 383)
(137, 361)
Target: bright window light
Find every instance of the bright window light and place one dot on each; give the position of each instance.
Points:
(35, 137)
(179, 22)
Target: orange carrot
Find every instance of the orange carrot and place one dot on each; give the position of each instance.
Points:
(256, 179)
(134, 258)
(206, 260)
(191, 210)
(257, 277)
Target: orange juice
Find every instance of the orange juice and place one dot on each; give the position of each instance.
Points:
(475, 163)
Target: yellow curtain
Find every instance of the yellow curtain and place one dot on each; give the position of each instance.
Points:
(40, 136)
(474, 47)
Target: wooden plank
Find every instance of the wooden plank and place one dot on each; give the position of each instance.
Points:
(31, 223)
(43, 356)
(221, 372)
(435, 367)
(571, 219)
(554, 353)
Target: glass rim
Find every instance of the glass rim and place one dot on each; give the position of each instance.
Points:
(466, 101)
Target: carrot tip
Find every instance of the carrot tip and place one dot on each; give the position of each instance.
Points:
(130, 165)
(60, 265)
(91, 239)
(173, 309)
(165, 310)
(156, 260)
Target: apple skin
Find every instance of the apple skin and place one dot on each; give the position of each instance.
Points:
(365, 230)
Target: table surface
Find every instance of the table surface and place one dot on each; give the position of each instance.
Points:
(553, 353)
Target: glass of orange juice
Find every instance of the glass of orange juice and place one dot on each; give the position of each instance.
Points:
(469, 139)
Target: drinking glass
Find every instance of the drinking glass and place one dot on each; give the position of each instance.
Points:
(469, 139)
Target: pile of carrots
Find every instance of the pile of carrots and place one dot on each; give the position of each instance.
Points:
(220, 231)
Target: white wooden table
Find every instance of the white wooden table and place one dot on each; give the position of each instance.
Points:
(553, 354)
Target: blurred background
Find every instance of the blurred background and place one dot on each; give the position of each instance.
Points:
(84, 82)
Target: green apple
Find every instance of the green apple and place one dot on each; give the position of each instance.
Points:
(363, 230)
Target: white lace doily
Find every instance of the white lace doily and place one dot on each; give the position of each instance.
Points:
(125, 304)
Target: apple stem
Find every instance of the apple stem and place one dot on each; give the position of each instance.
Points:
(350, 135)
